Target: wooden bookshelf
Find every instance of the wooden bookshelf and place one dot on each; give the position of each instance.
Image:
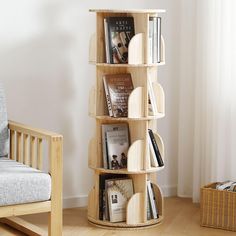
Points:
(138, 120)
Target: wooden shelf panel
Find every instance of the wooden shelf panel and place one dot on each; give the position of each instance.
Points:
(160, 115)
(148, 11)
(126, 65)
(125, 171)
(123, 225)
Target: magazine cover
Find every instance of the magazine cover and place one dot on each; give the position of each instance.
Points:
(119, 87)
(118, 193)
(117, 147)
(118, 33)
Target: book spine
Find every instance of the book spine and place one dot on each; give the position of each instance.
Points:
(152, 200)
(158, 39)
(150, 38)
(100, 200)
(109, 106)
(108, 59)
(152, 153)
(104, 148)
(156, 149)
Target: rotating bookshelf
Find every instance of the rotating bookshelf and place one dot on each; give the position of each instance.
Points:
(138, 120)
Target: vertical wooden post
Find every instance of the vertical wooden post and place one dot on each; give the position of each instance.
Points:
(32, 152)
(12, 144)
(26, 149)
(40, 154)
(55, 216)
(19, 147)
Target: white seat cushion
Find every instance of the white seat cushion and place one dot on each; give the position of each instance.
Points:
(22, 184)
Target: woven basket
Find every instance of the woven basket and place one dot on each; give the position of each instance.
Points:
(218, 208)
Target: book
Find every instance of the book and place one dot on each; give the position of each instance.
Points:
(149, 216)
(119, 191)
(152, 105)
(152, 199)
(154, 39)
(102, 193)
(158, 39)
(106, 128)
(150, 39)
(118, 88)
(118, 33)
(153, 158)
(156, 149)
(117, 148)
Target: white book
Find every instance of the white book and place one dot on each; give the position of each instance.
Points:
(106, 42)
(106, 128)
(118, 193)
(150, 40)
(152, 200)
(158, 39)
(152, 109)
(155, 40)
(153, 158)
(117, 148)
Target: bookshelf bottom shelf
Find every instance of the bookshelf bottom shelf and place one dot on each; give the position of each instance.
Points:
(123, 225)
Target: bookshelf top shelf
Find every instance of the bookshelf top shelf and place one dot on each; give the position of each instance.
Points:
(152, 11)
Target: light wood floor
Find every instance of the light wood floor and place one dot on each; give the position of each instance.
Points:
(181, 219)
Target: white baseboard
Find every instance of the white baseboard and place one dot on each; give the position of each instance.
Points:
(78, 201)
(169, 190)
(82, 200)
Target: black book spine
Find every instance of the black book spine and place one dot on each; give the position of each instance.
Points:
(156, 149)
(101, 197)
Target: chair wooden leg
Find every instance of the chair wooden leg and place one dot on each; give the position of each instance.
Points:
(23, 226)
(55, 216)
(55, 224)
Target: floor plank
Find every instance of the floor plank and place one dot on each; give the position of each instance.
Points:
(181, 219)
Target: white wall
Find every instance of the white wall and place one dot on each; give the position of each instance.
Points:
(44, 67)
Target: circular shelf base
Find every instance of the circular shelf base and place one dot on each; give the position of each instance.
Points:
(124, 226)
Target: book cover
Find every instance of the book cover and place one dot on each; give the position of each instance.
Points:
(156, 149)
(119, 192)
(117, 148)
(106, 128)
(118, 33)
(119, 87)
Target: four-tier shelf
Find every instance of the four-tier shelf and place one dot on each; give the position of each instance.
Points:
(138, 158)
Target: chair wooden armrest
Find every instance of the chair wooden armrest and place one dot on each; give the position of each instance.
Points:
(26, 146)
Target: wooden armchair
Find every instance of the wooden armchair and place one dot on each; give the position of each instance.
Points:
(26, 146)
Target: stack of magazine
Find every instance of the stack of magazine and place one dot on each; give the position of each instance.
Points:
(114, 194)
(227, 185)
